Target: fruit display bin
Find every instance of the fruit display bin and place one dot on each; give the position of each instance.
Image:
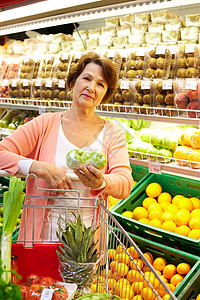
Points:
(190, 285)
(172, 184)
(139, 174)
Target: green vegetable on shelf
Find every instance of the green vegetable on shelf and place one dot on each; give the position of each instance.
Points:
(12, 203)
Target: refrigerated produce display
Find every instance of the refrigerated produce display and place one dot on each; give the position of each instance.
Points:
(155, 47)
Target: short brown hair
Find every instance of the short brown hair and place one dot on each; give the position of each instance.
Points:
(108, 71)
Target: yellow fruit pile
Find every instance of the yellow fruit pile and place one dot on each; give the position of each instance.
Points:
(178, 214)
(125, 279)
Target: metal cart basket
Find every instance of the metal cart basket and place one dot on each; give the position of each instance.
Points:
(123, 269)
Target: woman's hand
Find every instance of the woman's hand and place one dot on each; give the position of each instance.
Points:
(90, 176)
(56, 178)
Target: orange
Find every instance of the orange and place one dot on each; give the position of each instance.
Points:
(198, 297)
(194, 223)
(164, 197)
(128, 214)
(147, 201)
(153, 190)
(134, 275)
(121, 269)
(144, 220)
(167, 216)
(182, 217)
(183, 230)
(169, 271)
(135, 262)
(171, 207)
(176, 199)
(109, 283)
(171, 286)
(122, 258)
(166, 297)
(196, 202)
(137, 287)
(183, 268)
(137, 297)
(164, 278)
(123, 282)
(186, 203)
(133, 252)
(155, 214)
(149, 257)
(159, 263)
(153, 280)
(120, 248)
(194, 234)
(169, 225)
(112, 253)
(195, 212)
(147, 294)
(126, 293)
(140, 212)
(108, 274)
(176, 279)
(154, 206)
(155, 222)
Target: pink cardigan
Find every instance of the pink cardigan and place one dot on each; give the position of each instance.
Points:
(37, 139)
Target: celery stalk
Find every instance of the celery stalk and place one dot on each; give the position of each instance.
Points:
(12, 204)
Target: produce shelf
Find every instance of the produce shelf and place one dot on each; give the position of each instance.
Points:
(179, 116)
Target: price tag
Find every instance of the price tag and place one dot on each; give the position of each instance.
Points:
(191, 85)
(49, 83)
(61, 84)
(38, 82)
(5, 82)
(47, 294)
(189, 48)
(160, 49)
(140, 51)
(124, 84)
(14, 83)
(42, 110)
(145, 84)
(167, 84)
(154, 168)
(25, 82)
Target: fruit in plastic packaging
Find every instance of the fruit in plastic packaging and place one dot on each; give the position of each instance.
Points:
(182, 100)
(97, 159)
(166, 155)
(193, 105)
(194, 156)
(170, 142)
(182, 153)
(156, 138)
(145, 134)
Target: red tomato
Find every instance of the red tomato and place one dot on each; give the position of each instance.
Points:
(47, 281)
(35, 291)
(60, 294)
(24, 290)
(33, 278)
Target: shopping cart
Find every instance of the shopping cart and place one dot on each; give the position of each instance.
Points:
(112, 269)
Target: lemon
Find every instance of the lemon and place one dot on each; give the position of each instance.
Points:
(182, 217)
(169, 225)
(148, 201)
(140, 212)
(183, 230)
(194, 234)
(185, 203)
(153, 190)
(112, 200)
(128, 214)
(155, 214)
(164, 197)
(144, 220)
(196, 202)
(171, 207)
(195, 212)
(154, 206)
(194, 223)
(134, 183)
(155, 222)
(176, 199)
(167, 216)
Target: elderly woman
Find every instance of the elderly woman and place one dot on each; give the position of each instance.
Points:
(40, 146)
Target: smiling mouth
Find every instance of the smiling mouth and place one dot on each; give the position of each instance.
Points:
(87, 96)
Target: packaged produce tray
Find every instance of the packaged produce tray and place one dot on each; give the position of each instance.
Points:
(172, 184)
(190, 285)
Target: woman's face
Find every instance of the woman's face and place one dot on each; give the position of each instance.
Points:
(90, 87)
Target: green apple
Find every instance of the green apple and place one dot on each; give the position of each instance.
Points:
(167, 155)
(170, 141)
(97, 159)
(145, 134)
(135, 124)
(156, 138)
(75, 158)
(154, 151)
